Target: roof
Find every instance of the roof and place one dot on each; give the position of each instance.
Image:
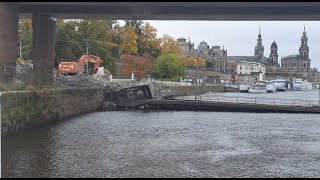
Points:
(251, 63)
(274, 44)
(182, 39)
(203, 45)
(241, 58)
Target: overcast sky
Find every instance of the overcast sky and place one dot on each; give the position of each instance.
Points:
(240, 37)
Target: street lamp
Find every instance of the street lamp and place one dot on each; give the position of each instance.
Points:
(319, 95)
(195, 91)
(204, 80)
(87, 63)
(20, 50)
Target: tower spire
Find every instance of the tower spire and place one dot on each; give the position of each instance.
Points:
(304, 28)
(259, 30)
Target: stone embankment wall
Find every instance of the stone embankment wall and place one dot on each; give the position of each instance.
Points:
(177, 105)
(24, 109)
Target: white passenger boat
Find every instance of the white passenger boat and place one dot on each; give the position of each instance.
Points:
(244, 88)
(279, 84)
(270, 88)
(301, 85)
(258, 88)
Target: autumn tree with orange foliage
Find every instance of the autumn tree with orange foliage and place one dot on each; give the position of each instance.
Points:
(169, 45)
(202, 63)
(191, 62)
(140, 65)
(150, 44)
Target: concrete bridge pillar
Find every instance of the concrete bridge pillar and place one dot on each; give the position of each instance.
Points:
(43, 48)
(9, 18)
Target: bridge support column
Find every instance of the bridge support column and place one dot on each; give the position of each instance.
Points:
(43, 49)
(9, 18)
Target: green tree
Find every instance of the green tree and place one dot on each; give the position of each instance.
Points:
(25, 37)
(168, 67)
(72, 38)
(96, 35)
(68, 47)
(137, 24)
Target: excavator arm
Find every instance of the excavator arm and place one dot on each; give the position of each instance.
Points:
(95, 60)
(78, 67)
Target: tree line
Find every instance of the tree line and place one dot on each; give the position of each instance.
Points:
(135, 44)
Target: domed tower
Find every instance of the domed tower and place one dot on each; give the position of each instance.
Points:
(259, 49)
(304, 49)
(274, 53)
(204, 47)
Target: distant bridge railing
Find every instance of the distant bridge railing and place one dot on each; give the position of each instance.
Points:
(255, 100)
(172, 83)
(191, 84)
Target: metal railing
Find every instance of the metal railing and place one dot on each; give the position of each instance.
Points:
(256, 100)
(193, 84)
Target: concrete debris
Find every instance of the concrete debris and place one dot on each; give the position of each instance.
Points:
(160, 92)
(84, 81)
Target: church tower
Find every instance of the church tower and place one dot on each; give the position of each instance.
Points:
(274, 53)
(259, 49)
(304, 49)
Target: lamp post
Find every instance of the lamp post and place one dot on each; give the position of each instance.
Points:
(20, 50)
(196, 88)
(319, 95)
(87, 61)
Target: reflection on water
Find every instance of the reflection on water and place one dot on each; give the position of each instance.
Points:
(168, 144)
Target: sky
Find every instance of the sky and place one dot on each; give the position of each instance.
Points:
(240, 37)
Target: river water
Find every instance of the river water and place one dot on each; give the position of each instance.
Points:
(168, 144)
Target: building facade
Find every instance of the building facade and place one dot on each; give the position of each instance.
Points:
(298, 62)
(219, 59)
(215, 57)
(270, 63)
(186, 48)
(246, 68)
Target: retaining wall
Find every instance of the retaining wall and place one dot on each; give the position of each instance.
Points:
(25, 109)
(191, 105)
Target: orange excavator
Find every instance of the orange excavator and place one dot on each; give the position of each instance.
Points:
(78, 67)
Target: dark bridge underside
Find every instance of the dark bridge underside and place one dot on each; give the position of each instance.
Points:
(220, 11)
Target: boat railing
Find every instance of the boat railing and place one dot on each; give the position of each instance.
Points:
(255, 100)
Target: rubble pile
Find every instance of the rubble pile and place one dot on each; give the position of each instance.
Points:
(160, 92)
(103, 82)
(76, 81)
(84, 81)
